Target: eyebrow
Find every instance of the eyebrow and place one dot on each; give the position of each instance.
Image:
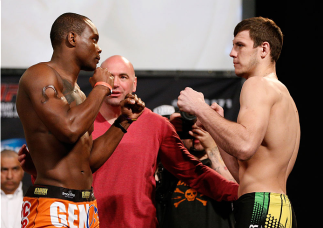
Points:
(5, 168)
(238, 42)
(95, 36)
(121, 74)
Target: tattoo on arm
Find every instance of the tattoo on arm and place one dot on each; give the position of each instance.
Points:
(218, 163)
(44, 93)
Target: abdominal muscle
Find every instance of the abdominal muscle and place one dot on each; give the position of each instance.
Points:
(64, 165)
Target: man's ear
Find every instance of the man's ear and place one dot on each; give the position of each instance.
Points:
(265, 49)
(134, 88)
(71, 39)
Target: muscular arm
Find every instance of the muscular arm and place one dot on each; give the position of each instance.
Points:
(66, 121)
(104, 145)
(102, 148)
(241, 139)
(132, 107)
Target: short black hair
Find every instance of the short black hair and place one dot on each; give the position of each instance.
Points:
(64, 24)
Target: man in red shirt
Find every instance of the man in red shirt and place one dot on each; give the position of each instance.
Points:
(125, 185)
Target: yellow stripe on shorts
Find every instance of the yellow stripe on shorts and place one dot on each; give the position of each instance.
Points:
(279, 211)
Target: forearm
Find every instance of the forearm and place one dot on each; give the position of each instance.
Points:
(81, 117)
(217, 163)
(230, 136)
(231, 163)
(104, 146)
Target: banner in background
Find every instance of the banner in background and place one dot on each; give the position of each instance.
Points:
(12, 144)
(153, 35)
(154, 91)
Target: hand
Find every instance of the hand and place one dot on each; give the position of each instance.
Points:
(102, 75)
(190, 100)
(203, 136)
(26, 161)
(218, 109)
(132, 106)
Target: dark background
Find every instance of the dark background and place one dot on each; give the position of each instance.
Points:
(299, 68)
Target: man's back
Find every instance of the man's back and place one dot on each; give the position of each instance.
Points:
(268, 169)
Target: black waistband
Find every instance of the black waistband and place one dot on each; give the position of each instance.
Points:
(48, 191)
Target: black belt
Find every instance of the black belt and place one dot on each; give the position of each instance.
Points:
(48, 191)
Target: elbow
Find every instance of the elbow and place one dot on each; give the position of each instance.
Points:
(243, 157)
(70, 136)
(245, 153)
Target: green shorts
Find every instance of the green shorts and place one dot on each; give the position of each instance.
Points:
(264, 210)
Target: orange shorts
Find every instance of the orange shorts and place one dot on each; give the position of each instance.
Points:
(50, 206)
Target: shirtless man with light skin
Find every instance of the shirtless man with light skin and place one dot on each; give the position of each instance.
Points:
(58, 122)
(262, 146)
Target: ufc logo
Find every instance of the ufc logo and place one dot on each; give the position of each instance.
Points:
(8, 92)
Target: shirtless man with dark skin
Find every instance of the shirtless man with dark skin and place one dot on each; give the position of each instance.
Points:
(262, 146)
(57, 117)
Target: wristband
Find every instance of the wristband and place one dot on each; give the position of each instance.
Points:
(118, 125)
(131, 120)
(125, 117)
(104, 84)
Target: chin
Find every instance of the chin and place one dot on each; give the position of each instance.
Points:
(114, 102)
(239, 73)
(88, 68)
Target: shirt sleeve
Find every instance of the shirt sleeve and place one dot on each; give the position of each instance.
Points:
(178, 161)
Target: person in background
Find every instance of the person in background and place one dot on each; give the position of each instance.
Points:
(125, 185)
(178, 205)
(11, 189)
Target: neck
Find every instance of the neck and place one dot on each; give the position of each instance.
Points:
(65, 66)
(265, 71)
(109, 112)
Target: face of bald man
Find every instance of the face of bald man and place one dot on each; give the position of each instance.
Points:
(11, 173)
(125, 80)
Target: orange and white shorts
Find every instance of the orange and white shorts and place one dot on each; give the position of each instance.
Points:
(50, 206)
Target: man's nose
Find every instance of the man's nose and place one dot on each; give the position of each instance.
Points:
(10, 174)
(116, 81)
(99, 49)
(233, 53)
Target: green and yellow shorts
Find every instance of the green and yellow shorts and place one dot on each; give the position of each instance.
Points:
(264, 210)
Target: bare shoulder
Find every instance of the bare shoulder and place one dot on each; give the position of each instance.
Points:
(256, 83)
(36, 76)
(256, 90)
(37, 71)
(262, 87)
(254, 86)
